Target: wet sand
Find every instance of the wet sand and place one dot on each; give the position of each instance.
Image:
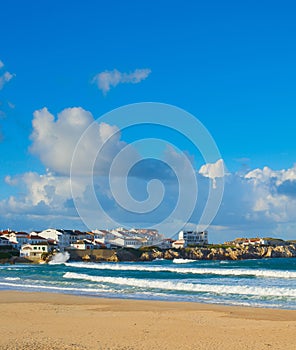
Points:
(57, 321)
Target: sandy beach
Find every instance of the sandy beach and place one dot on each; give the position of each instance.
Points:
(55, 321)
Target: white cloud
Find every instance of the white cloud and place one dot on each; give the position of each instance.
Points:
(1, 64)
(252, 205)
(274, 194)
(213, 170)
(261, 202)
(55, 140)
(280, 176)
(5, 78)
(107, 79)
(49, 189)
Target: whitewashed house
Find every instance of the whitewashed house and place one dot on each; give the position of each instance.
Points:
(34, 251)
(134, 242)
(117, 242)
(102, 236)
(5, 242)
(193, 237)
(64, 238)
(179, 244)
(35, 239)
(101, 240)
(17, 239)
(165, 244)
(85, 244)
(152, 236)
(133, 238)
(58, 236)
(125, 239)
(75, 235)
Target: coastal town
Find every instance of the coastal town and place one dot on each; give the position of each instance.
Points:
(39, 246)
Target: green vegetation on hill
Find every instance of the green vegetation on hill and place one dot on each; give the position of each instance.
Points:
(8, 253)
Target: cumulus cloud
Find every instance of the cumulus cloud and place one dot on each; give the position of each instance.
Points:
(274, 194)
(56, 139)
(47, 189)
(263, 201)
(107, 79)
(213, 171)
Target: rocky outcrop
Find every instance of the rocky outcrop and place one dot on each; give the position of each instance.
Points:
(222, 253)
(93, 255)
(15, 260)
(239, 252)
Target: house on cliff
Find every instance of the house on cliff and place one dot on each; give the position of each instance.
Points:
(193, 238)
(35, 251)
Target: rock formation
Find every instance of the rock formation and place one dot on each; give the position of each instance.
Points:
(240, 252)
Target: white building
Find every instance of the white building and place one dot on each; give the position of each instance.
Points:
(5, 242)
(17, 239)
(193, 237)
(34, 238)
(128, 242)
(152, 236)
(85, 244)
(75, 235)
(180, 243)
(136, 238)
(56, 236)
(34, 251)
(134, 242)
(165, 244)
(128, 238)
(64, 238)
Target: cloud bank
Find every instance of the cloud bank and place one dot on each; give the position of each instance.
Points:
(260, 202)
(107, 79)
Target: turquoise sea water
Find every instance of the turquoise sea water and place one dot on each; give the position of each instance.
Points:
(259, 283)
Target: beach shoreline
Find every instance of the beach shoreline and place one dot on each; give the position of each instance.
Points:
(41, 320)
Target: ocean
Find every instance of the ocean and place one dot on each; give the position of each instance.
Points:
(268, 283)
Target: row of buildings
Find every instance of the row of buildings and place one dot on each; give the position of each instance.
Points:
(34, 244)
(258, 242)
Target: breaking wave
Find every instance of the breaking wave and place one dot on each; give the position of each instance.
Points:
(12, 278)
(55, 288)
(189, 270)
(186, 287)
(60, 258)
(183, 261)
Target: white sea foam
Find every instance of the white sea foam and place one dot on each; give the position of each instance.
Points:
(12, 278)
(188, 270)
(62, 289)
(189, 287)
(60, 258)
(183, 261)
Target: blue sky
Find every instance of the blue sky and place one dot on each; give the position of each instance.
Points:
(230, 64)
